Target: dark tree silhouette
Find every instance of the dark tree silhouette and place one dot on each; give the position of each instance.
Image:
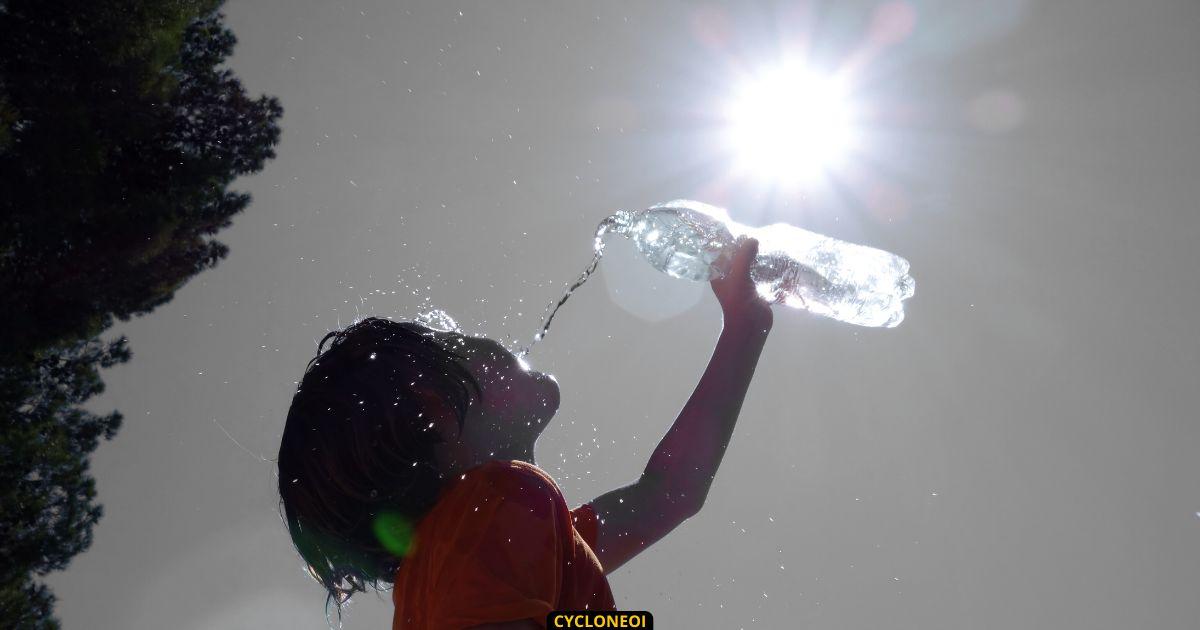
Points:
(120, 134)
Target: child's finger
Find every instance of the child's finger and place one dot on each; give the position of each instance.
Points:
(744, 258)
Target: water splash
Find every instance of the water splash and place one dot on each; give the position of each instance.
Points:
(439, 320)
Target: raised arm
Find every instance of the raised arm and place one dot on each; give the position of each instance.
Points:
(677, 478)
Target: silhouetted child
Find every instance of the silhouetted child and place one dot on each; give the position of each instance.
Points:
(407, 458)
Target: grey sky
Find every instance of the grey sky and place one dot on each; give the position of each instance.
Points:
(1019, 453)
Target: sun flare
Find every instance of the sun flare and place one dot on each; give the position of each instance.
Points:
(789, 126)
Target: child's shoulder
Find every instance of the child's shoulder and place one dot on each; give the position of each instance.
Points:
(514, 479)
(508, 472)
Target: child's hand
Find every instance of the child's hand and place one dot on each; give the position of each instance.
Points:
(736, 293)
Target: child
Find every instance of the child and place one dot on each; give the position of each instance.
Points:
(407, 458)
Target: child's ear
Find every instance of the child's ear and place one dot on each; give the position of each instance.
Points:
(438, 415)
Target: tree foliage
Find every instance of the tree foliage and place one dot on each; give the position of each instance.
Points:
(121, 131)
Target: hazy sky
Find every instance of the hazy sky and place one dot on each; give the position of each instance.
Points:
(1019, 453)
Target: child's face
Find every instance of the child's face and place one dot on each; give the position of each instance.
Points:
(517, 402)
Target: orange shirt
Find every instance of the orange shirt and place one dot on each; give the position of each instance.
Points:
(499, 545)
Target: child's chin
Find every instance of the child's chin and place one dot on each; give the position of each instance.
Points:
(548, 395)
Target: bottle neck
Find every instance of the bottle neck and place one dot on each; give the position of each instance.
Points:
(620, 222)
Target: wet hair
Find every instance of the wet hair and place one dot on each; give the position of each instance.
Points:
(356, 460)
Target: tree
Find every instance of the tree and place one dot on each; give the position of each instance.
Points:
(120, 134)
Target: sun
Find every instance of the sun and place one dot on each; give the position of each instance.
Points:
(789, 126)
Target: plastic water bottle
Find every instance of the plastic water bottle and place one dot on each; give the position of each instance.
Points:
(695, 241)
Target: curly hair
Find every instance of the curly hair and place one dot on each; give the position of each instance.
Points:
(356, 460)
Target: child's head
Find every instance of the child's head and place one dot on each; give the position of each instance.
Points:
(382, 418)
